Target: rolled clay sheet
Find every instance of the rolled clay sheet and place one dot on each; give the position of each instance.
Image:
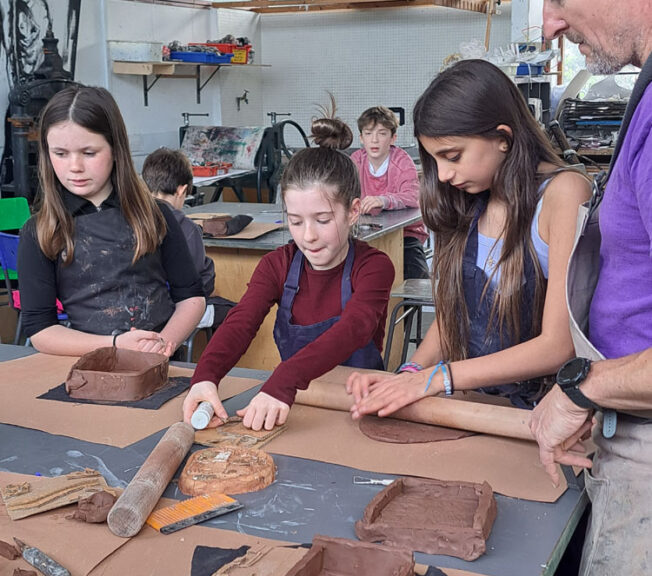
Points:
(329, 392)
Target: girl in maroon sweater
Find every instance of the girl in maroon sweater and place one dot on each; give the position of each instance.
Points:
(332, 291)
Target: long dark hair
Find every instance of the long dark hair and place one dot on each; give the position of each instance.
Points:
(95, 110)
(472, 98)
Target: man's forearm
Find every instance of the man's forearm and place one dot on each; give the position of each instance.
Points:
(622, 383)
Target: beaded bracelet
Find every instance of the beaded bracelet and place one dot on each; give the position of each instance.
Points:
(409, 367)
(448, 383)
(432, 375)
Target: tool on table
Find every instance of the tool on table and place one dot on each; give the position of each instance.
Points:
(192, 511)
(130, 512)
(361, 480)
(202, 415)
(41, 561)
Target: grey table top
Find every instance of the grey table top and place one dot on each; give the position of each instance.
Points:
(307, 498)
(388, 221)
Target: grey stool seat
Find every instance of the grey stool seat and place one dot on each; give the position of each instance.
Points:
(414, 294)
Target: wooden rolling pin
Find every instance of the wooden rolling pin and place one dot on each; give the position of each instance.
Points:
(477, 417)
(131, 510)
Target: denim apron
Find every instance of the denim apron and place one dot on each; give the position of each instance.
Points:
(482, 341)
(101, 289)
(290, 338)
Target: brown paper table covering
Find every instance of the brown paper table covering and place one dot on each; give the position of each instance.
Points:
(24, 379)
(511, 466)
(77, 546)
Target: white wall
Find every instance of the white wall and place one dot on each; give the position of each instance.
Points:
(236, 79)
(365, 58)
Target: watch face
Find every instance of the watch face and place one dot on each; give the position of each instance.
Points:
(572, 371)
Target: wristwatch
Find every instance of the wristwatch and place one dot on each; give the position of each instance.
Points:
(569, 378)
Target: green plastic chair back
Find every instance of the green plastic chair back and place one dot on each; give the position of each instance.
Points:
(14, 212)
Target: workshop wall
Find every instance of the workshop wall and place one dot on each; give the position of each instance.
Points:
(235, 80)
(386, 56)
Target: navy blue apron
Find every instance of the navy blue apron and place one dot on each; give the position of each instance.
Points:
(290, 338)
(482, 341)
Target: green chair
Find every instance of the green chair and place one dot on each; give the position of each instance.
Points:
(14, 212)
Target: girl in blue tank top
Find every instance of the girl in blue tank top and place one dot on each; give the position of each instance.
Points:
(503, 210)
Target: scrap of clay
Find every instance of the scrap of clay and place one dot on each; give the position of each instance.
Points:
(431, 516)
(117, 375)
(25, 499)
(263, 560)
(405, 432)
(21, 572)
(228, 470)
(9, 551)
(341, 557)
(226, 225)
(94, 509)
(234, 433)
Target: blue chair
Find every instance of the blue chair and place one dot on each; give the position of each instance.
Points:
(8, 265)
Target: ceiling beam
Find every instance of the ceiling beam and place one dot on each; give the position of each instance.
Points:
(272, 6)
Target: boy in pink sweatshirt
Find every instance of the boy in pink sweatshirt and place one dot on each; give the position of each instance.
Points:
(389, 182)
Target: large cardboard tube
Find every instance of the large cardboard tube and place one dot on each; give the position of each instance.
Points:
(473, 416)
(135, 504)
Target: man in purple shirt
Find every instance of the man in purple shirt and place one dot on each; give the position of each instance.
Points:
(616, 387)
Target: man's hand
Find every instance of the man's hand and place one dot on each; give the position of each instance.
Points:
(559, 426)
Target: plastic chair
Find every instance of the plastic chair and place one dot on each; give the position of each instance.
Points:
(14, 212)
(414, 294)
(8, 254)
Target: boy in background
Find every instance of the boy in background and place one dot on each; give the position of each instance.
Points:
(168, 175)
(389, 181)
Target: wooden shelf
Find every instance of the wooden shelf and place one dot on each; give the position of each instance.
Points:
(170, 69)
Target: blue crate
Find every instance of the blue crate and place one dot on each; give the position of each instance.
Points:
(201, 57)
(529, 70)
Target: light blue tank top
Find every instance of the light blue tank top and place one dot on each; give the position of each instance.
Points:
(489, 249)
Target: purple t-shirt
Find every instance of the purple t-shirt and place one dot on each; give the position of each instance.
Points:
(621, 310)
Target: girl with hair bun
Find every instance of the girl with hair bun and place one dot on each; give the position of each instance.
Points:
(332, 290)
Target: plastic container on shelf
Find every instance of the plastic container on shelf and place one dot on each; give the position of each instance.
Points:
(201, 57)
(135, 51)
(241, 54)
(223, 48)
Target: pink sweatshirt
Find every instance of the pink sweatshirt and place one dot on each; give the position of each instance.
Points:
(398, 187)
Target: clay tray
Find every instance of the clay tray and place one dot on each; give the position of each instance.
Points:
(431, 516)
(117, 375)
(342, 557)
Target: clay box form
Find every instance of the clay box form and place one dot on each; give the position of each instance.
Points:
(117, 375)
(342, 557)
(431, 516)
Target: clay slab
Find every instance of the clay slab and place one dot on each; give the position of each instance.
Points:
(431, 516)
(117, 375)
(227, 470)
(234, 433)
(405, 432)
(342, 557)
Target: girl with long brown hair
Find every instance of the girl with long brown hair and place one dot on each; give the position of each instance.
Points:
(115, 258)
(503, 209)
